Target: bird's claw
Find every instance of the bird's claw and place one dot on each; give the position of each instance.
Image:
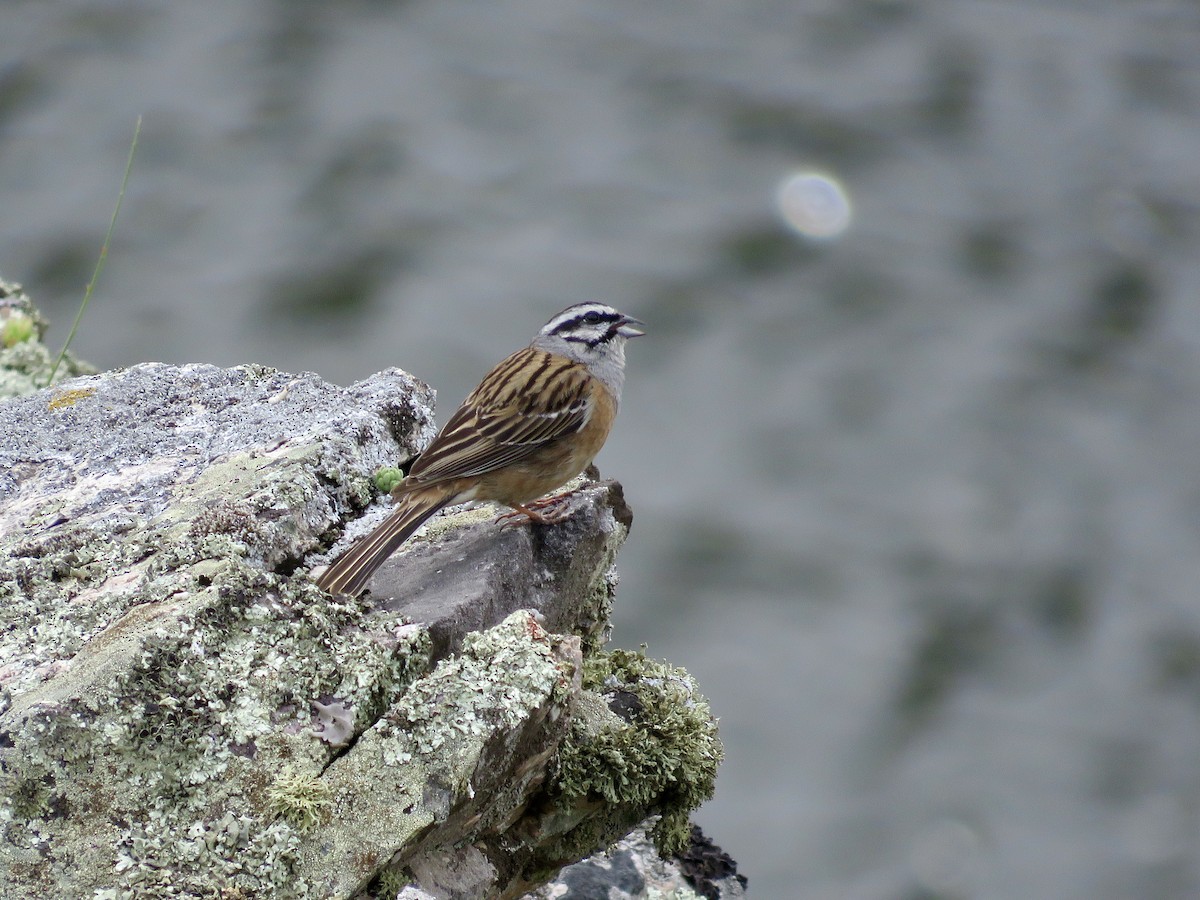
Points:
(547, 511)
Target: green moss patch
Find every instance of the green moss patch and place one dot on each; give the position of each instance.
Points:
(659, 749)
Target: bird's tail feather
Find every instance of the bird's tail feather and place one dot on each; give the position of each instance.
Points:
(352, 570)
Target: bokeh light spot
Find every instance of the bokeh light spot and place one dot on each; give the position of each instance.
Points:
(814, 205)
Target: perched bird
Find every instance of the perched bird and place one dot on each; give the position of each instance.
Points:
(535, 421)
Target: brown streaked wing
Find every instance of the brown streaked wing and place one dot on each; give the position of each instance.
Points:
(529, 400)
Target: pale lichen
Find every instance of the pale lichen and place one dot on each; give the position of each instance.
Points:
(453, 757)
(190, 722)
(491, 685)
(300, 798)
(335, 722)
(231, 856)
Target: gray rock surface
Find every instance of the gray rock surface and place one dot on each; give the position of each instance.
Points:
(183, 714)
(631, 868)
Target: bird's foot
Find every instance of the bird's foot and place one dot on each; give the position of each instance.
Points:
(546, 511)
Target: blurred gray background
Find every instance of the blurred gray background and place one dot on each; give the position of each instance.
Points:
(917, 501)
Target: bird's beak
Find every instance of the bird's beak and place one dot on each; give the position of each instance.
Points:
(630, 327)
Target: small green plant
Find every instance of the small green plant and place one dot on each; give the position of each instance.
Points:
(387, 478)
(17, 329)
(391, 882)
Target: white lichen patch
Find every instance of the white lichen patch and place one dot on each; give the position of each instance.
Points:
(500, 675)
(335, 722)
(421, 764)
(189, 723)
(233, 856)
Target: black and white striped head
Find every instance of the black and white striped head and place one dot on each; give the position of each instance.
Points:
(593, 334)
(591, 324)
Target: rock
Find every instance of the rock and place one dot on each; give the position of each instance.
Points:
(25, 362)
(632, 868)
(183, 714)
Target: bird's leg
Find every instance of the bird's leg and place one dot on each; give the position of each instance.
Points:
(546, 511)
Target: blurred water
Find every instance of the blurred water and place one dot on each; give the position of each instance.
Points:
(918, 502)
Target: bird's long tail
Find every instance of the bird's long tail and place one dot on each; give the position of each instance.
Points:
(352, 570)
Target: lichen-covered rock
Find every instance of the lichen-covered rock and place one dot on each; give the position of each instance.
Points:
(26, 363)
(160, 645)
(183, 714)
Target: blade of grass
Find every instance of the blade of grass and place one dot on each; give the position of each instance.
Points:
(87, 293)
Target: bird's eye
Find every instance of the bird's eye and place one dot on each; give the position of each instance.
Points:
(593, 318)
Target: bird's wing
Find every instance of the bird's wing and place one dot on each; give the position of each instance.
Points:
(529, 400)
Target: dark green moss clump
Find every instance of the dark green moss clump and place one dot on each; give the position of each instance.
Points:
(659, 750)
